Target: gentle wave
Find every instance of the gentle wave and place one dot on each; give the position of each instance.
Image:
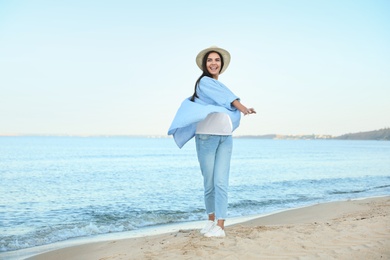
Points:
(359, 191)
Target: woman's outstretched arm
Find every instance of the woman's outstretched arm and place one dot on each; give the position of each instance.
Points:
(243, 109)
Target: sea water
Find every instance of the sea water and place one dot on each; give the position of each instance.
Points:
(59, 188)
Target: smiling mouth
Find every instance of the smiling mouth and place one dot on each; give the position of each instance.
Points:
(213, 68)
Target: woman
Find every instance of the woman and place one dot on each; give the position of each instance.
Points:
(211, 114)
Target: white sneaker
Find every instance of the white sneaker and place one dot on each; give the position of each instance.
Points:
(216, 231)
(209, 225)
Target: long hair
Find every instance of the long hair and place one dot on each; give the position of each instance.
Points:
(205, 71)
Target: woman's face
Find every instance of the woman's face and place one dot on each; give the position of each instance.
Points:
(213, 64)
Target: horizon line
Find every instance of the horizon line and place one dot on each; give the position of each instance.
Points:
(169, 136)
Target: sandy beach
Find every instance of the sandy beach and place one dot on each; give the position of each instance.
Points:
(355, 229)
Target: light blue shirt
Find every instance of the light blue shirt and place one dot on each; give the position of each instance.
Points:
(213, 96)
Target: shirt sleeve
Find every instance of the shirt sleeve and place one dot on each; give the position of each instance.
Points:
(214, 92)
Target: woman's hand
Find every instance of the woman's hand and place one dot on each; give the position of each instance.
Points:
(250, 111)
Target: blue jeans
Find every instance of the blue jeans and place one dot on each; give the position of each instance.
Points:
(214, 154)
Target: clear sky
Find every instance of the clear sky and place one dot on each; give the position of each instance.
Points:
(123, 67)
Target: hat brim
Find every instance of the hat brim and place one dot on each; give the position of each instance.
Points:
(225, 55)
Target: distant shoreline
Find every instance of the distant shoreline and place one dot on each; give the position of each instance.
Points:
(379, 135)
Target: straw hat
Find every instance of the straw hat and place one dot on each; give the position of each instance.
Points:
(225, 55)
